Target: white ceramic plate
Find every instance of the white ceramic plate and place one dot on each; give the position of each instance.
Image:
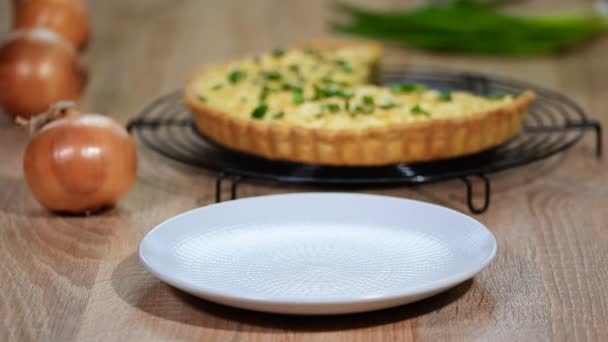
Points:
(317, 253)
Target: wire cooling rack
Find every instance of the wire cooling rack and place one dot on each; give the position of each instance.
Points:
(554, 124)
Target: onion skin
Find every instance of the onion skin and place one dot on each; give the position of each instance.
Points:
(80, 163)
(37, 69)
(68, 18)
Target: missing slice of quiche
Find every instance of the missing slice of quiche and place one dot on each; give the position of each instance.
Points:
(316, 104)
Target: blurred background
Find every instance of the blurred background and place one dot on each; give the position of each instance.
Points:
(140, 49)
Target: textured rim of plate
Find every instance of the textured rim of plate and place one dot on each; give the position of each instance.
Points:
(445, 283)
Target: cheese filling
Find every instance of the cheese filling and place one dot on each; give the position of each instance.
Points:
(328, 88)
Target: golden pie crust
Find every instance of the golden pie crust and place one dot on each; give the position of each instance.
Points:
(414, 142)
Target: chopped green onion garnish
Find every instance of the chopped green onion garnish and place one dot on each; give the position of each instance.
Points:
(278, 53)
(417, 110)
(364, 110)
(344, 65)
(297, 98)
(389, 105)
(218, 86)
(264, 93)
(236, 75)
(338, 92)
(368, 100)
(259, 111)
(331, 92)
(445, 96)
(327, 79)
(294, 68)
(278, 115)
(319, 94)
(333, 107)
(272, 75)
(407, 88)
(202, 98)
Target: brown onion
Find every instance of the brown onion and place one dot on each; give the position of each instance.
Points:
(78, 163)
(37, 69)
(68, 18)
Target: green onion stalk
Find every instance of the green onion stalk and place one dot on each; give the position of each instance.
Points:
(472, 26)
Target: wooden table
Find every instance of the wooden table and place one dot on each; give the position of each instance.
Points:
(78, 278)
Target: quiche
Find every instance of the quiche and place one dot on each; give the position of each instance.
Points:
(316, 103)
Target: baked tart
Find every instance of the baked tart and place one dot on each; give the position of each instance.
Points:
(316, 104)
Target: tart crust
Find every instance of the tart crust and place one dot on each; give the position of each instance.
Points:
(405, 143)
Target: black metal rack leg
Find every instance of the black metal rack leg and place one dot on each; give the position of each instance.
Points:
(218, 186)
(597, 128)
(486, 198)
(235, 180)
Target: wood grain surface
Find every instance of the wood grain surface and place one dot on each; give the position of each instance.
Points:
(68, 278)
